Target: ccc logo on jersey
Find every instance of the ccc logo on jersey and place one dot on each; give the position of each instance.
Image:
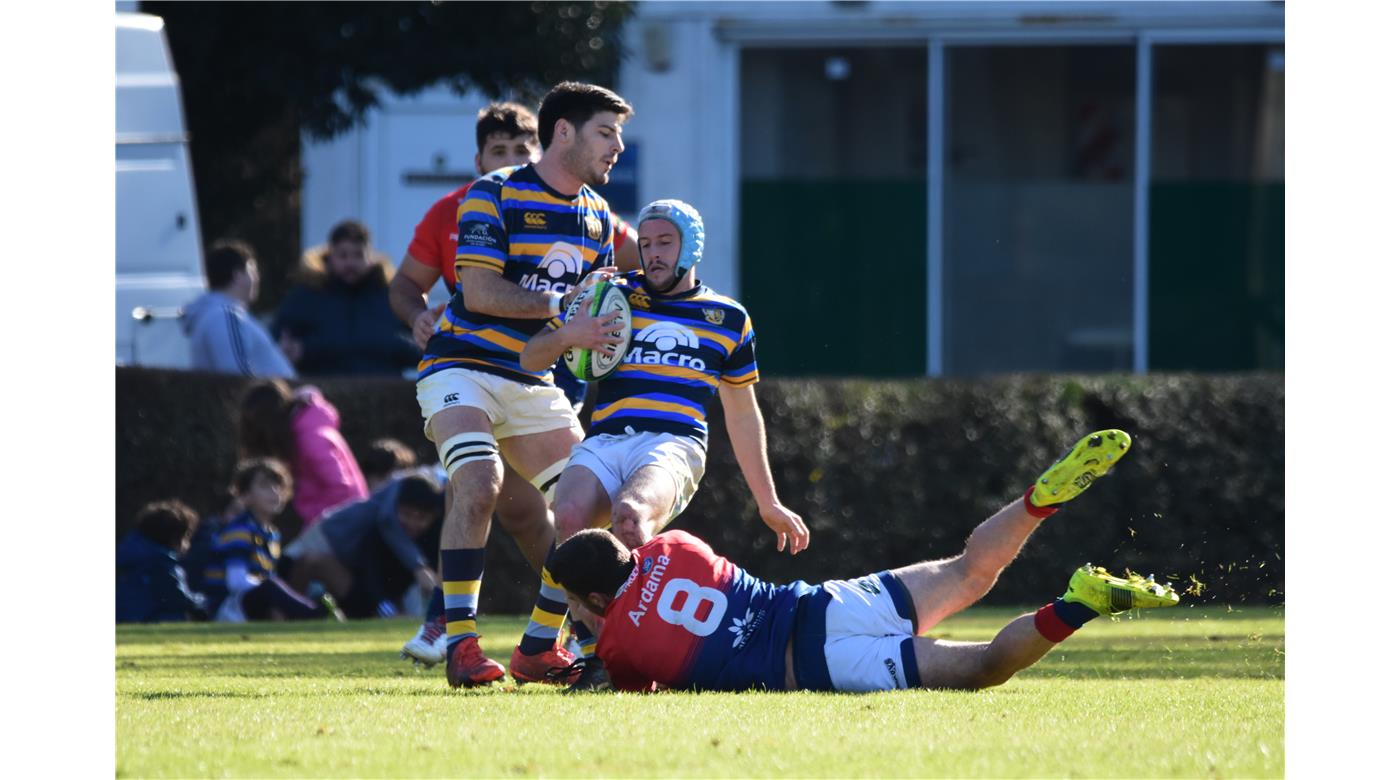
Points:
(534, 219)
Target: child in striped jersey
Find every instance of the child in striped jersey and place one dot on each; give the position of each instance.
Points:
(645, 452)
(242, 583)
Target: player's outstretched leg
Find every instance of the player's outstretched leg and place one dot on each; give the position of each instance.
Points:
(942, 588)
(1025, 640)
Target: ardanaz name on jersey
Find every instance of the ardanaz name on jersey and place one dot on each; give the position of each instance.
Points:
(649, 587)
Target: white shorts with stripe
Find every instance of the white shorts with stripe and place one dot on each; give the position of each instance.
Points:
(514, 408)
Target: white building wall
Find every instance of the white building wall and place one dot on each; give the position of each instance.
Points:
(682, 77)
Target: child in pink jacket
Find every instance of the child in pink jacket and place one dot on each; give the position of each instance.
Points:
(303, 430)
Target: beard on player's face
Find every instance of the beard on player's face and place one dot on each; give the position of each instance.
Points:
(660, 245)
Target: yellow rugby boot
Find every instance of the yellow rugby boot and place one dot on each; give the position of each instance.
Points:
(1090, 458)
(1106, 594)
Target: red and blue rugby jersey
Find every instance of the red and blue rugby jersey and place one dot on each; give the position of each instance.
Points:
(687, 618)
(683, 346)
(513, 224)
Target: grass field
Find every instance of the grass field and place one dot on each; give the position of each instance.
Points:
(1186, 693)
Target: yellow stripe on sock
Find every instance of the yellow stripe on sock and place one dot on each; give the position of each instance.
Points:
(547, 618)
(461, 588)
(458, 627)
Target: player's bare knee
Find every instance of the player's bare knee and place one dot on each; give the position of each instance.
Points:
(474, 490)
(977, 576)
(631, 511)
(569, 518)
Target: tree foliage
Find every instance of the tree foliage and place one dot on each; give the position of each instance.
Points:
(256, 75)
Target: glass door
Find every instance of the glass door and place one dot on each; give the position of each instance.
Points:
(833, 205)
(1215, 200)
(1037, 216)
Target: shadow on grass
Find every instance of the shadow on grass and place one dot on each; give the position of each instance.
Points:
(164, 695)
(1179, 659)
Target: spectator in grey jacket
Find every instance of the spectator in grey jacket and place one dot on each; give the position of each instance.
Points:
(349, 548)
(224, 337)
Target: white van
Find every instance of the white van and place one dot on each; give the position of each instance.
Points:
(160, 265)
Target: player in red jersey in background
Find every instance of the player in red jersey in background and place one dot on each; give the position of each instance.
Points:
(680, 616)
(506, 135)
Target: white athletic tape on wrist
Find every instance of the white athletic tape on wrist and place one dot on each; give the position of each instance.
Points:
(556, 300)
(465, 448)
(547, 480)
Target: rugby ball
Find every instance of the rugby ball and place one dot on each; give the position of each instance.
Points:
(603, 298)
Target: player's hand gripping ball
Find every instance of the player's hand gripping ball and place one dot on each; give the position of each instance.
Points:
(600, 300)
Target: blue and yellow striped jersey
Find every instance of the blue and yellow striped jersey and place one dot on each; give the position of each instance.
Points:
(513, 224)
(683, 346)
(246, 539)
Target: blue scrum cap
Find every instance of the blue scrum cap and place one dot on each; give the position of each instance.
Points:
(688, 224)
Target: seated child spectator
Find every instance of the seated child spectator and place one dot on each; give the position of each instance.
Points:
(346, 551)
(151, 585)
(385, 458)
(301, 429)
(199, 558)
(244, 584)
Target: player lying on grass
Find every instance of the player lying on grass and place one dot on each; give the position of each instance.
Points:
(679, 616)
(645, 452)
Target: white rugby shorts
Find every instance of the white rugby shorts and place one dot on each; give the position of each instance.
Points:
(870, 626)
(614, 457)
(514, 408)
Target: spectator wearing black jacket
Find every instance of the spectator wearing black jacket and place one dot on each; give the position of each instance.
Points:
(336, 319)
(151, 583)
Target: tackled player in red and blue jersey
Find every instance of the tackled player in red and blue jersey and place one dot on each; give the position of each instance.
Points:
(687, 618)
(679, 616)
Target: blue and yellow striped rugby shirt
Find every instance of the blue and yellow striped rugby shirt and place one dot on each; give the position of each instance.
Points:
(513, 224)
(682, 347)
(243, 538)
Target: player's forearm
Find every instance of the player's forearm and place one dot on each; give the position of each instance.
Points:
(749, 440)
(406, 299)
(489, 293)
(543, 350)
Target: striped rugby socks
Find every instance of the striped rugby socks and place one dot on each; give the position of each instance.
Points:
(548, 616)
(1057, 620)
(461, 587)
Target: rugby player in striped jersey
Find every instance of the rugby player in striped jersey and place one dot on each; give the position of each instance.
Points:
(645, 451)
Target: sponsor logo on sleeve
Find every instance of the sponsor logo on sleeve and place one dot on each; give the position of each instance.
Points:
(478, 234)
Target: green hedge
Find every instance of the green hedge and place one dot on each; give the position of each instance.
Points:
(885, 473)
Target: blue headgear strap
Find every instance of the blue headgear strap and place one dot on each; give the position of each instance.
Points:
(688, 224)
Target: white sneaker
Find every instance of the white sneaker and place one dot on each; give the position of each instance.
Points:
(429, 646)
